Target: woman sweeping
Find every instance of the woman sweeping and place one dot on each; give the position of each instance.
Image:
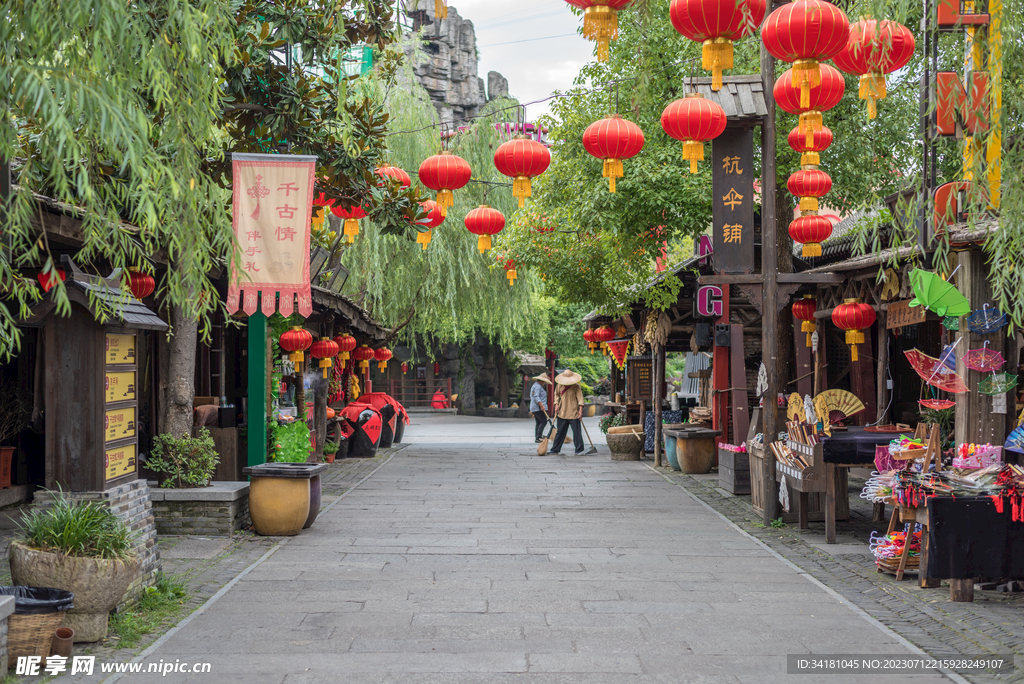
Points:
(568, 410)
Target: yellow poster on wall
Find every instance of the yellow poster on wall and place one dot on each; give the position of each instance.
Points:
(120, 386)
(118, 424)
(119, 461)
(120, 349)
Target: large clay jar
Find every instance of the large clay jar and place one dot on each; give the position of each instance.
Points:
(696, 456)
(315, 494)
(279, 506)
(97, 583)
(365, 425)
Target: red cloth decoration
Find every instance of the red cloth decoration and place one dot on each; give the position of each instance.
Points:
(485, 222)
(613, 139)
(873, 50)
(716, 24)
(445, 173)
(522, 158)
(619, 349)
(693, 120)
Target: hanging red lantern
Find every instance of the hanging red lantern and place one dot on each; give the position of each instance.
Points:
(387, 171)
(803, 310)
(805, 33)
(141, 284)
(820, 141)
(437, 369)
(693, 120)
(853, 316)
(351, 217)
(600, 22)
(445, 173)
(613, 139)
(823, 96)
(405, 368)
(435, 217)
(716, 24)
(296, 341)
(873, 50)
(382, 356)
(809, 185)
(603, 335)
(363, 354)
(346, 343)
(324, 349)
(522, 158)
(485, 222)
(588, 336)
(47, 280)
(810, 230)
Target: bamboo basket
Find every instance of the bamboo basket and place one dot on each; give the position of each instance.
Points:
(32, 635)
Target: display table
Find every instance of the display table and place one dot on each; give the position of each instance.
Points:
(854, 445)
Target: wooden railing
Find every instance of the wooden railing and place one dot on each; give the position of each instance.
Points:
(420, 392)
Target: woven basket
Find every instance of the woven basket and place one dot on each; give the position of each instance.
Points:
(893, 564)
(31, 635)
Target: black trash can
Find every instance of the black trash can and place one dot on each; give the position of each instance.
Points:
(364, 428)
(38, 612)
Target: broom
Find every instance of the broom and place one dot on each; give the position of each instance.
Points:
(542, 448)
(592, 449)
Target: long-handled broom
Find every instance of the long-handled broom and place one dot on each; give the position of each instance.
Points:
(592, 449)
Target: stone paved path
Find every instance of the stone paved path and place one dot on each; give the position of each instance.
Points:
(467, 558)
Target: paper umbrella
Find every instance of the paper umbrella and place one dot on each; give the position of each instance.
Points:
(937, 295)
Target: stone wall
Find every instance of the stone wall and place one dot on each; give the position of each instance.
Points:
(218, 511)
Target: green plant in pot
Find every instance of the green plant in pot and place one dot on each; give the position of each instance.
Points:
(330, 450)
(291, 443)
(79, 547)
(185, 462)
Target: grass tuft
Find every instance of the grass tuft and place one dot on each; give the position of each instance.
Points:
(160, 604)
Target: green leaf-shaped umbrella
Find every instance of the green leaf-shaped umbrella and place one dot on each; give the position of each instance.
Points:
(937, 295)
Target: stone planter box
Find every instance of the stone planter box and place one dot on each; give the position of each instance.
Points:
(217, 511)
(625, 446)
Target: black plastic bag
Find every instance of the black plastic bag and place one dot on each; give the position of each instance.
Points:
(38, 600)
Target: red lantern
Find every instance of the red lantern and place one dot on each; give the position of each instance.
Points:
(810, 230)
(141, 284)
(324, 349)
(485, 222)
(522, 158)
(588, 336)
(803, 310)
(873, 50)
(853, 316)
(363, 355)
(805, 33)
(820, 141)
(47, 280)
(613, 139)
(823, 96)
(435, 217)
(444, 173)
(296, 341)
(382, 356)
(603, 335)
(346, 343)
(693, 120)
(405, 368)
(387, 171)
(351, 217)
(716, 24)
(437, 369)
(809, 185)
(600, 22)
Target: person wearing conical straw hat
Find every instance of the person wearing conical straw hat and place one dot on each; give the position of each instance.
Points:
(539, 404)
(568, 410)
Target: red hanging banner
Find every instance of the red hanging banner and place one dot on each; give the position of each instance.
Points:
(271, 210)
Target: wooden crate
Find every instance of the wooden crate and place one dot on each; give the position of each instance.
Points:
(734, 472)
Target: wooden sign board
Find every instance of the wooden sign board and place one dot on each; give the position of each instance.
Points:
(732, 189)
(900, 314)
(119, 424)
(119, 461)
(119, 387)
(120, 349)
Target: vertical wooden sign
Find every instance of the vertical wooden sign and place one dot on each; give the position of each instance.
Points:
(733, 200)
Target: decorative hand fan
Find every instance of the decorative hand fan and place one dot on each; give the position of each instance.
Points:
(795, 408)
(985, 360)
(951, 323)
(1015, 442)
(997, 383)
(986, 321)
(937, 295)
(839, 404)
(809, 415)
(934, 372)
(937, 404)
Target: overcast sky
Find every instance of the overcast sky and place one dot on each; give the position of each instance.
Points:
(506, 37)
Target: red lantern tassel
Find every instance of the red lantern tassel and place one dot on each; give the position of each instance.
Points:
(612, 170)
(511, 275)
(351, 229)
(811, 249)
(483, 243)
(810, 122)
(872, 89)
(693, 151)
(806, 75)
(600, 24)
(716, 55)
(445, 199)
(423, 238)
(521, 189)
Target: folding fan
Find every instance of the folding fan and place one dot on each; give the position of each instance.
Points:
(1015, 442)
(997, 383)
(839, 404)
(986, 321)
(795, 408)
(937, 404)
(985, 360)
(937, 295)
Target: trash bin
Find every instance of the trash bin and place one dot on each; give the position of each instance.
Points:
(284, 498)
(38, 612)
(366, 424)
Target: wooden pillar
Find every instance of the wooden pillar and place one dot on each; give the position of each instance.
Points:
(804, 363)
(882, 380)
(658, 378)
(961, 590)
(258, 385)
(862, 380)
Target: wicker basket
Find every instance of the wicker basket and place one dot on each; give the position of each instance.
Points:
(892, 565)
(31, 635)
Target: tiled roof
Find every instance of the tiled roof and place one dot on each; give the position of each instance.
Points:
(742, 97)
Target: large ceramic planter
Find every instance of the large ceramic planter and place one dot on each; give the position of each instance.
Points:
(98, 585)
(625, 447)
(284, 497)
(696, 456)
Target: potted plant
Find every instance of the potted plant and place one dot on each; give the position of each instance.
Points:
(330, 449)
(13, 419)
(184, 462)
(79, 547)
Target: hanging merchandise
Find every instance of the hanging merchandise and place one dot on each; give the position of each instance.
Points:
(324, 349)
(985, 320)
(873, 50)
(522, 158)
(716, 24)
(805, 33)
(838, 405)
(997, 383)
(444, 173)
(435, 217)
(821, 139)
(603, 336)
(382, 356)
(296, 341)
(485, 222)
(854, 316)
(693, 120)
(985, 360)
(809, 185)
(937, 295)
(810, 230)
(389, 172)
(363, 354)
(1015, 440)
(141, 284)
(935, 373)
(823, 97)
(937, 404)
(600, 22)
(612, 140)
(951, 323)
(803, 310)
(346, 343)
(351, 216)
(618, 349)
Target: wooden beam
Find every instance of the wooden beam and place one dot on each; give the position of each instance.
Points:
(757, 278)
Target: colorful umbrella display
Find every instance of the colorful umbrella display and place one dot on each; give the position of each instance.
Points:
(997, 383)
(985, 360)
(1015, 442)
(937, 295)
(935, 373)
(937, 404)
(986, 321)
(951, 323)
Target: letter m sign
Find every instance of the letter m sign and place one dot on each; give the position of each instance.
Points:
(955, 110)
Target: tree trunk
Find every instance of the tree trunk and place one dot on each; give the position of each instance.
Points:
(177, 375)
(502, 364)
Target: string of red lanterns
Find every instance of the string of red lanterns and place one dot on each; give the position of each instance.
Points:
(873, 50)
(805, 33)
